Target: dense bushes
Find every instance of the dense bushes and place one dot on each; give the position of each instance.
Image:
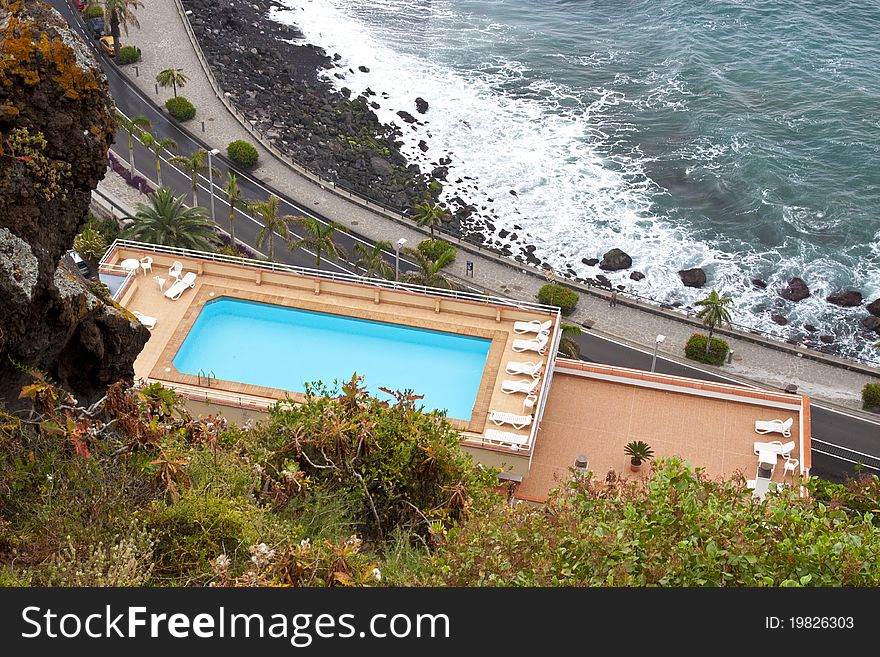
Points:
(695, 349)
(871, 397)
(242, 153)
(558, 295)
(93, 11)
(129, 55)
(436, 250)
(180, 108)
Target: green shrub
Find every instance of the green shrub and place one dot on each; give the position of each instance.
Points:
(558, 295)
(695, 349)
(93, 11)
(180, 108)
(433, 252)
(871, 396)
(90, 244)
(129, 55)
(242, 153)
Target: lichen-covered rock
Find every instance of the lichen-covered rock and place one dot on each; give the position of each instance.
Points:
(56, 123)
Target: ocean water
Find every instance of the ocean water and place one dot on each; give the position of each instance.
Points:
(738, 136)
(286, 348)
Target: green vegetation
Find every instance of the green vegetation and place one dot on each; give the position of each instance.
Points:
(676, 528)
(90, 244)
(93, 11)
(568, 346)
(172, 77)
(134, 126)
(871, 397)
(273, 222)
(320, 238)
(194, 164)
(372, 259)
(158, 146)
(714, 313)
(47, 175)
(430, 216)
(638, 451)
(129, 55)
(434, 250)
(119, 14)
(696, 349)
(108, 227)
(180, 108)
(554, 294)
(235, 200)
(429, 272)
(242, 153)
(166, 221)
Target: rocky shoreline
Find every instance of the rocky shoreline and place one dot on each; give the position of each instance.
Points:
(277, 85)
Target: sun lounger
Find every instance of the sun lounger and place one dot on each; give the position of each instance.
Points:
(538, 344)
(516, 421)
(528, 368)
(776, 446)
(533, 326)
(146, 320)
(774, 426)
(188, 280)
(528, 387)
(506, 438)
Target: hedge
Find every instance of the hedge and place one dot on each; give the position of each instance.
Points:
(438, 249)
(180, 108)
(129, 55)
(558, 295)
(871, 397)
(93, 11)
(695, 349)
(242, 153)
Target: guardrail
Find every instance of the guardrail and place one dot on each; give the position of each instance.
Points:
(845, 454)
(633, 299)
(328, 276)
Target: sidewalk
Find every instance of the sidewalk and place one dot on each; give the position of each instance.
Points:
(165, 43)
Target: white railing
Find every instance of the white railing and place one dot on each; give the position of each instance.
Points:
(329, 276)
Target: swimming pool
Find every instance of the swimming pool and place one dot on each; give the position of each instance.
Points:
(276, 347)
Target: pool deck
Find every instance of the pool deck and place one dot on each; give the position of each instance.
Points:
(362, 300)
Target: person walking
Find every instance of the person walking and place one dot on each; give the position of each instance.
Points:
(612, 302)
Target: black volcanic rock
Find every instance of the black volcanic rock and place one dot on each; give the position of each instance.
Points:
(827, 339)
(637, 275)
(871, 323)
(51, 320)
(421, 105)
(848, 299)
(757, 282)
(782, 320)
(406, 116)
(590, 262)
(874, 307)
(695, 277)
(810, 328)
(796, 290)
(615, 260)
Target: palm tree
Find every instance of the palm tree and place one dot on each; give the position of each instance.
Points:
(235, 200)
(172, 77)
(133, 126)
(567, 345)
(429, 215)
(429, 272)
(119, 13)
(157, 146)
(372, 260)
(166, 221)
(714, 313)
(272, 223)
(194, 164)
(319, 238)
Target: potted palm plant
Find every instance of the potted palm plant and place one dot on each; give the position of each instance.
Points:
(638, 451)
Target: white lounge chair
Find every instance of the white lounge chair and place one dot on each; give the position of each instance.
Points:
(175, 269)
(506, 438)
(528, 387)
(516, 421)
(146, 320)
(532, 326)
(774, 426)
(188, 280)
(776, 446)
(538, 344)
(527, 369)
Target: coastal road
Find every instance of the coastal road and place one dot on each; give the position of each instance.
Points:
(829, 426)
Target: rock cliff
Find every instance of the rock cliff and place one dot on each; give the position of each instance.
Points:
(56, 123)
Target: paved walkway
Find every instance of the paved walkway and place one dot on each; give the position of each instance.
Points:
(165, 43)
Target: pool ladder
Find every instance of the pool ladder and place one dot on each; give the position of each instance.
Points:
(207, 376)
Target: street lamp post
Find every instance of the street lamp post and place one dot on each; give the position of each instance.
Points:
(397, 248)
(211, 153)
(657, 342)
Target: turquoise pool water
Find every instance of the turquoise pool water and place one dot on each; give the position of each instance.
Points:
(285, 348)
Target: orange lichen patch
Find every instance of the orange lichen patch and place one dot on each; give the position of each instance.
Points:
(22, 56)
